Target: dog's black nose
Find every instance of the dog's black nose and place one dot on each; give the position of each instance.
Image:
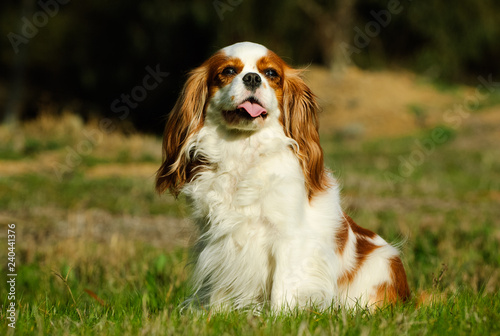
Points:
(252, 80)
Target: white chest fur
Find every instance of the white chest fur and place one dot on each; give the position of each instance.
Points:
(261, 238)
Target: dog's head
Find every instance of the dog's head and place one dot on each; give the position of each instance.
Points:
(242, 88)
(246, 86)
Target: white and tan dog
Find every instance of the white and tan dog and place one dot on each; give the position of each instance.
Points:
(242, 144)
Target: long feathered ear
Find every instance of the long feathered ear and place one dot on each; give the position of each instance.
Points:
(300, 122)
(184, 121)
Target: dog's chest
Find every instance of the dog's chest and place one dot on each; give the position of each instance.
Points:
(234, 185)
(243, 181)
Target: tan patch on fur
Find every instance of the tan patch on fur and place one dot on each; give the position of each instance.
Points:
(395, 290)
(388, 292)
(363, 248)
(399, 280)
(185, 119)
(385, 293)
(342, 236)
(358, 230)
(273, 61)
(300, 122)
(215, 66)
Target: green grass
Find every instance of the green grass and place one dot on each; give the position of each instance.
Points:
(115, 195)
(147, 303)
(98, 233)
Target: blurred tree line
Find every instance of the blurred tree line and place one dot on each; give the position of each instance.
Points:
(86, 55)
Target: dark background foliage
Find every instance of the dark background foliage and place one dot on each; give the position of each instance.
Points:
(90, 52)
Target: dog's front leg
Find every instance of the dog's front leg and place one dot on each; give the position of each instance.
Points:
(303, 274)
(288, 278)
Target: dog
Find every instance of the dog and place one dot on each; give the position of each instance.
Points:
(242, 145)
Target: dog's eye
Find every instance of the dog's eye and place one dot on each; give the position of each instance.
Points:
(271, 73)
(229, 71)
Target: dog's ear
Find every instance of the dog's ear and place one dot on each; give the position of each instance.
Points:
(300, 121)
(184, 121)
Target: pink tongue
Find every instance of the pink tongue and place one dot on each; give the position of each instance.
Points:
(254, 110)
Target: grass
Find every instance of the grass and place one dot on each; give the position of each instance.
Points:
(99, 253)
(114, 194)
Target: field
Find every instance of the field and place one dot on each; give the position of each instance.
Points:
(98, 252)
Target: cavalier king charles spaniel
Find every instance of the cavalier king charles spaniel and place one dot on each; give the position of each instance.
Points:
(242, 145)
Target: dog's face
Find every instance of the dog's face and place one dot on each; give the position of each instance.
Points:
(242, 88)
(246, 86)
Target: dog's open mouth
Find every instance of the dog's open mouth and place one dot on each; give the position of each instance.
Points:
(250, 109)
(253, 108)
